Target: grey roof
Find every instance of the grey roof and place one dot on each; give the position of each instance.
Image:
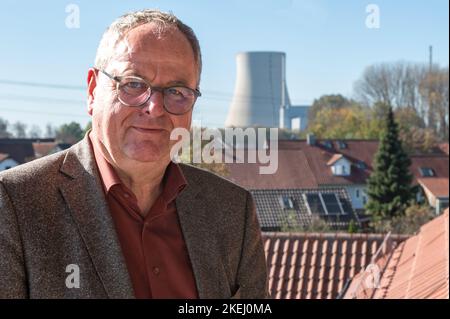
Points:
(274, 216)
(21, 149)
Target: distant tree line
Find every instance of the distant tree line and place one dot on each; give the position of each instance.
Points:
(66, 133)
(417, 93)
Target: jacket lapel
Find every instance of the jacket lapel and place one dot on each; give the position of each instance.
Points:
(84, 196)
(200, 238)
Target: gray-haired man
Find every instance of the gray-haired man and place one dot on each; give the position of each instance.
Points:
(112, 216)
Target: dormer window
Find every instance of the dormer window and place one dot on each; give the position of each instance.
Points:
(340, 166)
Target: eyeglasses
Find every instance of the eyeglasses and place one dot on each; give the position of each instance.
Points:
(134, 91)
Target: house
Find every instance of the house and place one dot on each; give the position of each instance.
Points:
(321, 164)
(46, 148)
(22, 150)
(6, 162)
(19, 149)
(416, 268)
(436, 191)
(317, 265)
(298, 209)
(359, 266)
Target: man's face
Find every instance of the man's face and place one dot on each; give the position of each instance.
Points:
(141, 133)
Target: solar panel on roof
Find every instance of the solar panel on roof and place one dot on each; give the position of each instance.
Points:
(331, 204)
(346, 207)
(315, 204)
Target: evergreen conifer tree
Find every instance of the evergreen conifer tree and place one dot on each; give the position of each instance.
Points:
(389, 186)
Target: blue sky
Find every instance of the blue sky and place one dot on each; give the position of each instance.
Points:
(327, 44)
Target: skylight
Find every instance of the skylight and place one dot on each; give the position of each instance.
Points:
(286, 202)
(427, 172)
(342, 145)
(361, 165)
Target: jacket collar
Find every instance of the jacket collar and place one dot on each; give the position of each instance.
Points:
(84, 196)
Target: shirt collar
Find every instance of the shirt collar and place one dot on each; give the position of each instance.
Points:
(173, 181)
(108, 175)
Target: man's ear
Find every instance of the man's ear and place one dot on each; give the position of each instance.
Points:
(92, 84)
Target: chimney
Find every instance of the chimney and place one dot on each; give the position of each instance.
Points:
(311, 139)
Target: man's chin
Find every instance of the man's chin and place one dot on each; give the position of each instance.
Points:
(147, 155)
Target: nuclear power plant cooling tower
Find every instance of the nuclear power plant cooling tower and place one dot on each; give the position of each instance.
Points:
(261, 97)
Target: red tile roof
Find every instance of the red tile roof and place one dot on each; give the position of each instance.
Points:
(305, 166)
(439, 187)
(356, 150)
(316, 265)
(3, 156)
(417, 269)
(293, 172)
(439, 164)
(43, 148)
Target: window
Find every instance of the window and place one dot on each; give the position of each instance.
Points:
(286, 202)
(357, 193)
(364, 200)
(427, 172)
(341, 168)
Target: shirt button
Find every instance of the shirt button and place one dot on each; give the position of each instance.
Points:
(156, 271)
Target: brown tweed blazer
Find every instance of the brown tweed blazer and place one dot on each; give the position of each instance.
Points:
(53, 213)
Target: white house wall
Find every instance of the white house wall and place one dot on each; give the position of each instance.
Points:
(357, 202)
(336, 168)
(7, 163)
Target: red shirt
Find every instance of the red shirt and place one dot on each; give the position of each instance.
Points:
(153, 246)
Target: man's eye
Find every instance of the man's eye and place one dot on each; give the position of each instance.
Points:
(174, 91)
(135, 85)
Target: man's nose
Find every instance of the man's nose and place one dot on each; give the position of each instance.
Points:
(155, 104)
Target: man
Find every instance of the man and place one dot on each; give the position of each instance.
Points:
(112, 216)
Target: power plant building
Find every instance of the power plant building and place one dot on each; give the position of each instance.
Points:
(261, 97)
